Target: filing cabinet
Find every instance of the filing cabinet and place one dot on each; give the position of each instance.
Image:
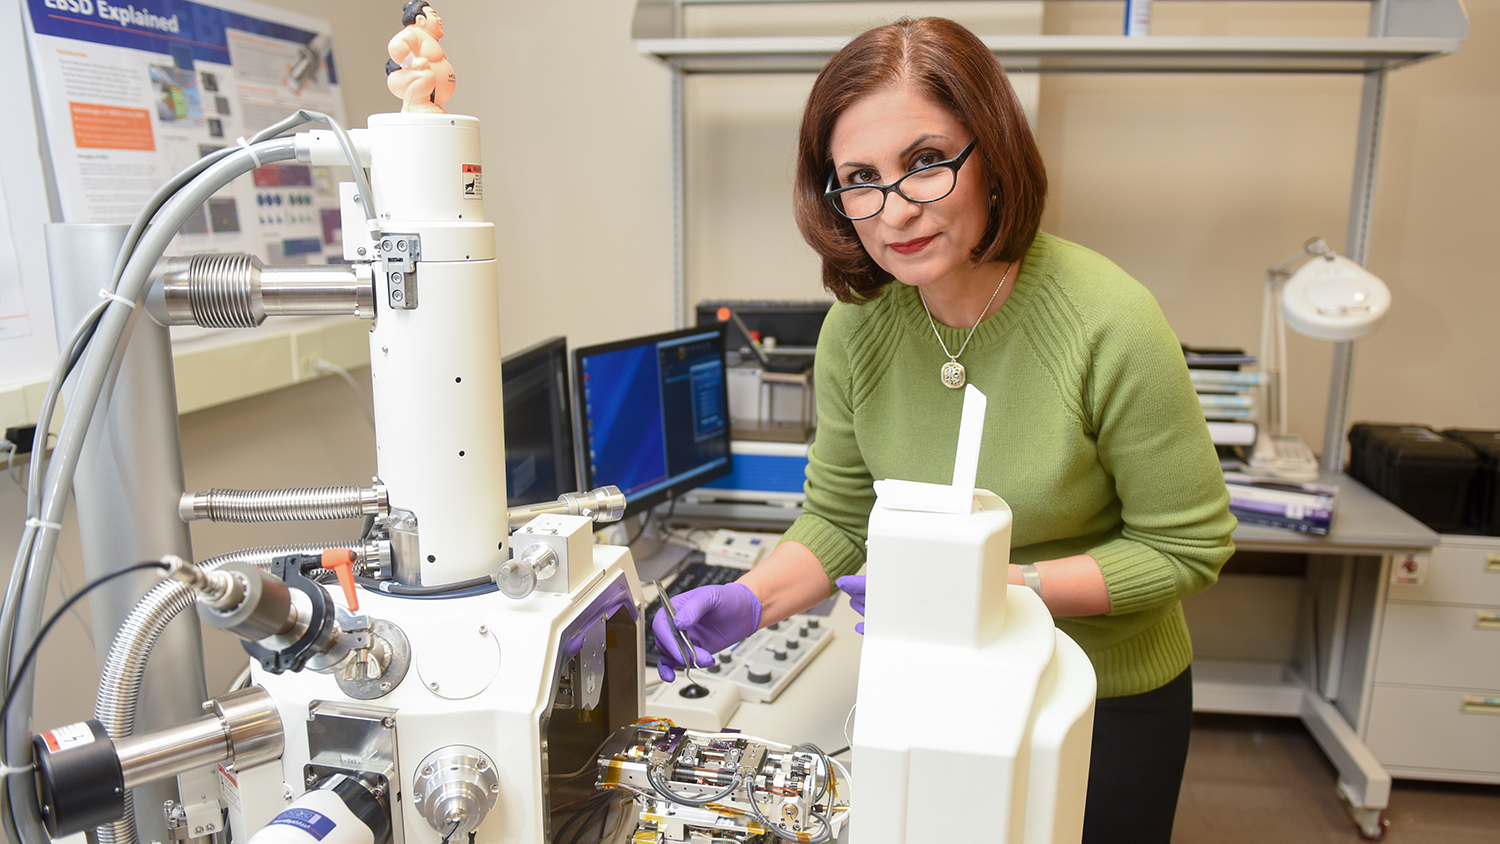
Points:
(1434, 710)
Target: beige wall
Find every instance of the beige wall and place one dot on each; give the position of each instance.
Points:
(1197, 185)
(1194, 184)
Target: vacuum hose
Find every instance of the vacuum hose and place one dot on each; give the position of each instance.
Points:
(125, 668)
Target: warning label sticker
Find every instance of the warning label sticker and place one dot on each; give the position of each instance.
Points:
(63, 738)
(473, 182)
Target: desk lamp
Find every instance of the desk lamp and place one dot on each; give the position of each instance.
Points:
(1322, 295)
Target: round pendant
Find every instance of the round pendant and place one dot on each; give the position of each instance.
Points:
(953, 374)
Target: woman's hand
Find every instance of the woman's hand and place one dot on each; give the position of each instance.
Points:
(713, 617)
(854, 586)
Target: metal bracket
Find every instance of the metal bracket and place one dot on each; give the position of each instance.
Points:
(399, 254)
(591, 666)
(356, 739)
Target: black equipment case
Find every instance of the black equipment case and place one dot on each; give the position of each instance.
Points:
(1483, 511)
(1419, 470)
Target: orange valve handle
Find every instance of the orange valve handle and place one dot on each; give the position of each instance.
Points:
(341, 561)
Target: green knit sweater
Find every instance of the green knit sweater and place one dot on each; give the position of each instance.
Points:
(1093, 436)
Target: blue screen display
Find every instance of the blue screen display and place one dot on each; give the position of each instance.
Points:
(654, 414)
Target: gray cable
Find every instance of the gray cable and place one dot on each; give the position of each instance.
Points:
(125, 668)
(149, 235)
(90, 384)
(654, 777)
(824, 835)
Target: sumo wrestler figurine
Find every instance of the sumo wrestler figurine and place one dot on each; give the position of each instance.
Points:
(418, 71)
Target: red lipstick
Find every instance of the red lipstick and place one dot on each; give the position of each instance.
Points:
(911, 246)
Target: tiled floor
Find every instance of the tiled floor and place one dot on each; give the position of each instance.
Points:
(1264, 780)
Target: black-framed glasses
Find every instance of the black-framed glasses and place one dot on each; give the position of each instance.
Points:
(924, 184)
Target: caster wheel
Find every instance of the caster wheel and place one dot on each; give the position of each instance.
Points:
(1375, 829)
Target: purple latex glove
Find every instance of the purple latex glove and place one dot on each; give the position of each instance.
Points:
(854, 584)
(713, 617)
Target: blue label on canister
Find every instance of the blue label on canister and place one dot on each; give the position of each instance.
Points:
(308, 821)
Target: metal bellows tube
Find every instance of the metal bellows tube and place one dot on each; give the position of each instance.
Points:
(284, 505)
(235, 290)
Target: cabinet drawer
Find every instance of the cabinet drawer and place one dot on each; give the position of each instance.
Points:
(1440, 645)
(1435, 728)
(1463, 570)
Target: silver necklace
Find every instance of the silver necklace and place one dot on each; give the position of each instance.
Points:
(952, 373)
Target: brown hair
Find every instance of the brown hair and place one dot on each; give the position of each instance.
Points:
(948, 64)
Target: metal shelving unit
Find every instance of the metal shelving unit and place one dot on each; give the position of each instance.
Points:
(1079, 53)
(1400, 33)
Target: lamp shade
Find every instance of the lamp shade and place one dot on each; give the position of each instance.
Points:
(1333, 298)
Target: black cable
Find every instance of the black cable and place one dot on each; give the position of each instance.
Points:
(841, 751)
(645, 519)
(451, 831)
(15, 681)
(588, 805)
(602, 806)
(605, 819)
(409, 591)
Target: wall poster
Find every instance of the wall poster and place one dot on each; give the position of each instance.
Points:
(131, 94)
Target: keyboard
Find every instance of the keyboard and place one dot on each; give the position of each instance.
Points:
(762, 666)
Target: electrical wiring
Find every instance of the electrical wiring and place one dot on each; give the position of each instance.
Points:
(591, 765)
(653, 776)
(10, 456)
(619, 821)
(809, 747)
(589, 804)
(825, 834)
(364, 404)
(62, 610)
(599, 810)
(24, 604)
(457, 589)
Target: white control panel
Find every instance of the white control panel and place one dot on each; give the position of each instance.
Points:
(767, 662)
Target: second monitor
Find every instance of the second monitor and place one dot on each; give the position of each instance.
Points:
(653, 414)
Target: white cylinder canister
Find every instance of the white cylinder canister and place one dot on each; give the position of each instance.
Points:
(321, 817)
(439, 410)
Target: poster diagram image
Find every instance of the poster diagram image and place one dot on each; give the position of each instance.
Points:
(177, 96)
(132, 95)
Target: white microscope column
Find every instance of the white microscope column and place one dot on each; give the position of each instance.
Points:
(436, 368)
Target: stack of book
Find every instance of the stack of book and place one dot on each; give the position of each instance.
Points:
(1303, 507)
(1226, 393)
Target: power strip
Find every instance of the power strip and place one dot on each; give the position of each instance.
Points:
(762, 666)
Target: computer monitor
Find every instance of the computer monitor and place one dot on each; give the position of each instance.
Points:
(653, 414)
(539, 456)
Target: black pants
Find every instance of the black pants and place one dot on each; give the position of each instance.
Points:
(1135, 770)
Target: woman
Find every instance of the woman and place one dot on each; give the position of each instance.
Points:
(919, 184)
